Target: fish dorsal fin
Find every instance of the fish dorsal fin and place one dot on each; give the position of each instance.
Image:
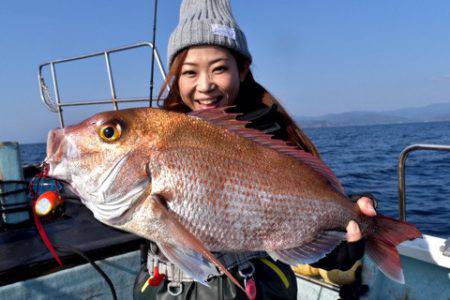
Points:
(310, 252)
(219, 116)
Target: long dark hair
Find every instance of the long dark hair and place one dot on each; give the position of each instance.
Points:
(251, 96)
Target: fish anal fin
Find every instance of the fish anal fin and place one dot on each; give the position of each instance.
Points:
(194, 247)
(219, 117)
(310, 252)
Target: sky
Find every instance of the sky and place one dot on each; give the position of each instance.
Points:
(316, 57)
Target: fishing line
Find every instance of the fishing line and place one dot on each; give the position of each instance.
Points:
(75, 250)
(153, 54)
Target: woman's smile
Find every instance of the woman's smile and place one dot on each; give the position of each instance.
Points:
(206, 103)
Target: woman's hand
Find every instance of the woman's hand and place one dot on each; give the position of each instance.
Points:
(344, 256)
(366, 206)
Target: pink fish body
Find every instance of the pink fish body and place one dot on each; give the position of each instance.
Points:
(203, 182)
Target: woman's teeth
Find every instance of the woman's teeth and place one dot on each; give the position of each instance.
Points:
(208, 101)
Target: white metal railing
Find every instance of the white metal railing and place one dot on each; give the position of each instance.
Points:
(56, 105)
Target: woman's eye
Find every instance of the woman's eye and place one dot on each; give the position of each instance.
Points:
(220, 69)
(188, 73)
(110, 132)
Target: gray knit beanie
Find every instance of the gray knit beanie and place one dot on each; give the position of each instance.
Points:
(206, 22)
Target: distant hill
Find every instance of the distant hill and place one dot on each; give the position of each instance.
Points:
(430, 113)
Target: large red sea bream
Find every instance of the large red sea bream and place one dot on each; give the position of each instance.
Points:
(203, 182)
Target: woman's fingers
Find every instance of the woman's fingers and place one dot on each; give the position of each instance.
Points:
(365, 204)
(353, 232)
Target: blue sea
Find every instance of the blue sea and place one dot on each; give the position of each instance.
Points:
(365, 159)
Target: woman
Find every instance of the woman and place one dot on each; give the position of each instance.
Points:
(209, 68)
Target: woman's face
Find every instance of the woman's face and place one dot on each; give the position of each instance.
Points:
(209, 78)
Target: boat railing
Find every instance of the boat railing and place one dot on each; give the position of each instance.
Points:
(56, 105)
(401, 172)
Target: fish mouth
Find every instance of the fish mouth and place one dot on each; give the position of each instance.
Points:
(55, 169)
(55, 150)
(54, 143)
(47, 166)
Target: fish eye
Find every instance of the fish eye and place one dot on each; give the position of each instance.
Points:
(110, 132)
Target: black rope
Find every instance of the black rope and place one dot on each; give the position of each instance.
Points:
(94, 265)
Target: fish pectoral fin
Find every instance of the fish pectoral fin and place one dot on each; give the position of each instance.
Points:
(194, 248)
(310, 252)
(191, 262)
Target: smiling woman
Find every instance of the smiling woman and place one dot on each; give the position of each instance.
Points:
(209, 68)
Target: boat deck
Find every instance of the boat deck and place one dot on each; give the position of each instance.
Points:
(424, 280)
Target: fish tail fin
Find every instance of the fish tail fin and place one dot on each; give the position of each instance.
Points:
(381, 245)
